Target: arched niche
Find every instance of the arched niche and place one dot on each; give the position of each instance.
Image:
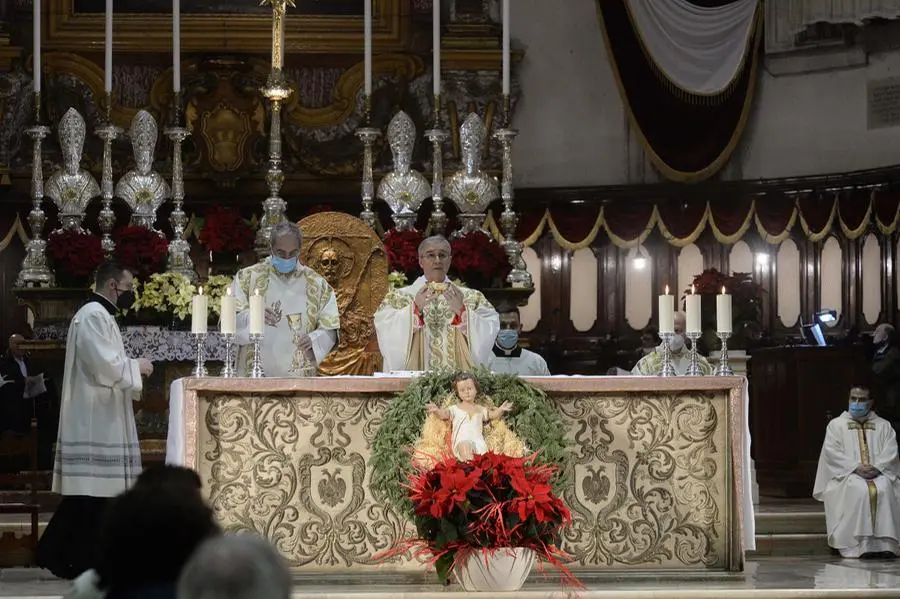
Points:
(831, 281)
(788, 283)
(531, 312)
(583, 290)
(871, 279)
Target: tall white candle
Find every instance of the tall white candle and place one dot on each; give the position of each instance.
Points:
(506, 25)
(692, 307)
(723, 312)
(367, 27)
(36, 59)
(436, 47)
(257, 313)
(666, 312)
(176, 46)
(228, 311)
(199, 312)
(108, 47)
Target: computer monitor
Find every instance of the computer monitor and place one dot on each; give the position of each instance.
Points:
(817, 334)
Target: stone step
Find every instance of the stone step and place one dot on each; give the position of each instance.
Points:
(777, 523)
(781, 545)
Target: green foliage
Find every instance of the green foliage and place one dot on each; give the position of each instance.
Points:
(534, 419)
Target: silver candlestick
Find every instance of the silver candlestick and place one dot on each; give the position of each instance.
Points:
(200, 355)
(179, 249)
(35, 271)
(694, 368)
(228, 370)
(256, 370)
(368, 135)
(519, 275)
(107, 218)
(723, 368)
(668, 369)
(437, 136)
(277, 91)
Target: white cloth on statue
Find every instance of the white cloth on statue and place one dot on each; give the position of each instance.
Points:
(861, 516)
(396, 322)
(97, 453)
(519, 361)
(306, 303)
(700, 49)
(468, 428)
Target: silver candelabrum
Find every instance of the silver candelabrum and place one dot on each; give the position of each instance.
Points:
(277, 91)
(179, 249)
(107, 218)
(256, 369)
(228, 370)
(367, 135)
(668, 369)
(518, 276)
(437, 136)
(694, 368)
(200, 355)
(35, 271)
(723, 368)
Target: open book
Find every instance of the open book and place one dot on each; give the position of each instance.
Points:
(34, 386)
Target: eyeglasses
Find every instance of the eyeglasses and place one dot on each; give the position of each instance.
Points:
(436, 255)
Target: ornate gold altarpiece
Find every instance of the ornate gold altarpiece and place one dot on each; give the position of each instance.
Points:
(657, 481)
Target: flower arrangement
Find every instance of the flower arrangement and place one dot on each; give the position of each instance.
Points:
(215, 287)
(489, 503)
(402, 249)
(396, 280)
(224, 231)
(166, 293)
(141, 251)
(746, 298)
(479, 260)
(74, 255)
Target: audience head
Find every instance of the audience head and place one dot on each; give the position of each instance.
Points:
(284, 246)
(15, 345)
(678, 342)
(235, 567)
(115, 284)
(884, 334)
(466, 386)
(510, 326)
(860, 403)
(434, 258)
(172, 477)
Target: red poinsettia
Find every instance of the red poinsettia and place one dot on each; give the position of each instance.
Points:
(478, 259)
(141, 251)
(402, 248)
(75, 255)
(225, 231)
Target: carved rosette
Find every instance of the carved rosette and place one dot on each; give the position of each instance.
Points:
(403, 189)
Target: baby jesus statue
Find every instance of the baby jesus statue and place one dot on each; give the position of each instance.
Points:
(463, 420)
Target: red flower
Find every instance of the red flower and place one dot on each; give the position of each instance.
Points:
(141, 251)
(74, 254)
(225, 231)
(535, 498)
(477, 257)
(402, 249)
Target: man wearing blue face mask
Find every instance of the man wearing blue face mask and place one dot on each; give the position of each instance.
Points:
(857, 479)
(301, 311)
(508, 357)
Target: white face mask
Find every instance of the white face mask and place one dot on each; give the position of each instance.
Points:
(677, 343)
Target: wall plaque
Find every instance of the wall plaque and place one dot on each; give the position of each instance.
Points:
(883, 103)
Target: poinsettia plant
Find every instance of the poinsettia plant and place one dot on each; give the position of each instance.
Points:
(141, 250)
(402, 249)
(479, 260)
(224, 230)
(74, 255)
(489, 503)
(746, 308)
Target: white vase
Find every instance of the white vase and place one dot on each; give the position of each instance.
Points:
(503, 570)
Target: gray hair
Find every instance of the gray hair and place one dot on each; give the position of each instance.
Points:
(433, 240)
(284, 229)
(242, 566)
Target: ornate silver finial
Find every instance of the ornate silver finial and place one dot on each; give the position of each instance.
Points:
(403, 189)
(72, 188)
(142, 188)
(471, 189)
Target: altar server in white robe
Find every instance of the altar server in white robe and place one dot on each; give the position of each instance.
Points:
(857, 479)
(652, 363)
(98, 454)
(301, 311)
(434, 324)
(507, 356)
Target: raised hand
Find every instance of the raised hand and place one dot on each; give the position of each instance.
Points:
(454, 298)
(430, 408)
(506, 407)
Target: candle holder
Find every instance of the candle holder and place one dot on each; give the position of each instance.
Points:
(694, 368)
(256, 370)
(723, 368)
(228, 369)
(200, 353)
(107, 218)
(367, 135)
(277, 91)
(668, 369)
(518, 276)
(437, 136)
(179, 248)
(35, 270)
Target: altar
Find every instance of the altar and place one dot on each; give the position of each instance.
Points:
(660, 477)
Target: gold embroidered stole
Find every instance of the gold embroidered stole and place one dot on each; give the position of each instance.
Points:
(866, 459)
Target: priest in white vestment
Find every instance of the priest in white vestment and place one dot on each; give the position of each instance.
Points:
(508, 356)
(301, 312)
(652, 363)
(857, 480)
(98, 453)
(434, 324)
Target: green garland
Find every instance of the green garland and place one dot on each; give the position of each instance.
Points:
(533, 418)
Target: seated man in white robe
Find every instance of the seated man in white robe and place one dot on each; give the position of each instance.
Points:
(508, 357)
(301, 311)
(857, 480)
(652, 363)
(433, 324)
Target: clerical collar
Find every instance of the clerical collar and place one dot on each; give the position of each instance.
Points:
(103, 301)
(504, 353)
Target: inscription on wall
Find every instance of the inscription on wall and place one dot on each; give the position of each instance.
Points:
(883, 103)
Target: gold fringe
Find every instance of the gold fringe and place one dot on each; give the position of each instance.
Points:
(852, 234)
(692, 236)
(737, 235)
(815, 236)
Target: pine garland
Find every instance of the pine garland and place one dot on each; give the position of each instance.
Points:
(533, 418)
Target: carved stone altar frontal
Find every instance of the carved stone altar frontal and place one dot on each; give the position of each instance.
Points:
(226, 25)
(654, 484)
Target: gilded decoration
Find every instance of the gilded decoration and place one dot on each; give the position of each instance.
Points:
(653, 483)
(350, 256)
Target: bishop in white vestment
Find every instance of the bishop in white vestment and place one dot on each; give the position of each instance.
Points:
(301, 311)
(433, 324)
(652, 363)
(857, 479)
(98, 453)
(507, 356)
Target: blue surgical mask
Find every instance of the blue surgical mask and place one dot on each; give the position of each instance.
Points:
(284, 265)
(858, 409)
(507, 338)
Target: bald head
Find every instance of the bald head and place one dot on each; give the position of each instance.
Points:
(884, 333)
(15, 345)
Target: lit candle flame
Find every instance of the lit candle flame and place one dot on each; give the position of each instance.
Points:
(723, 289)
(228, 291)
(200, 291)
(256, 292)
(667, 290)
(693, 291)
